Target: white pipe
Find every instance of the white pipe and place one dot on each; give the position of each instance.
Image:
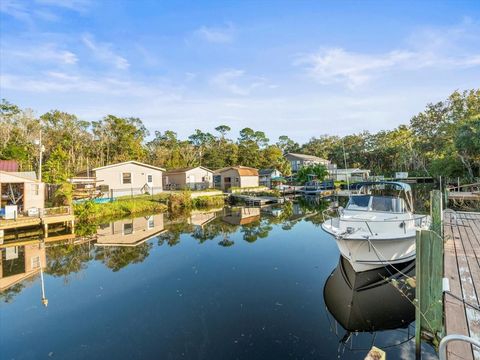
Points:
(442, 349)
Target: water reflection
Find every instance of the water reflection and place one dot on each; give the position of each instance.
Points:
(370, 302)
(19, 266)
(165, 286)
(119, 243)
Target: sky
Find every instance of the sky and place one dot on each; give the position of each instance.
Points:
(296, 68)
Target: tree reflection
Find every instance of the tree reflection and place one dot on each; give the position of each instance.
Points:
(64, 259)
(116, 258)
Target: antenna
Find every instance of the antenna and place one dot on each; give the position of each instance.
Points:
(345, 163)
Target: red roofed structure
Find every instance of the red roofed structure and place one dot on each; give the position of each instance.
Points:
(9, 165)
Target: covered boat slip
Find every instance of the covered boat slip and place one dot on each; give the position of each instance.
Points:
(462, 268)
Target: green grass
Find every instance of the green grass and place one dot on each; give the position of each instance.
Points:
(203, 202)
(145, 204)
(89, 210)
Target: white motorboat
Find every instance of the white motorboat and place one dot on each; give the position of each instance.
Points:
(377, 227)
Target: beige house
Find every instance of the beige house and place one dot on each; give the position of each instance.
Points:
(130, 232)
(129, 178)
(21, 189)
(237, 176)
(194, 178)
(297, 161)
(18, 263)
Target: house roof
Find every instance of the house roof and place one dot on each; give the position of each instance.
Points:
(306, 157)
(266, 171)
(351, 171)
(242, 170)
(8, 165)
(24, 176)
(129, 162)
(182, 170)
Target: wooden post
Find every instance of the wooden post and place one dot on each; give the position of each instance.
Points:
(436, 211)
(429, 274)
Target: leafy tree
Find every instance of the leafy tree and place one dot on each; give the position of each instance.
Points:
(56, 169)
(467, 143)
(287, 145)
(307, 172)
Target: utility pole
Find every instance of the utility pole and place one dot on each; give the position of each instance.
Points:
(40, 160)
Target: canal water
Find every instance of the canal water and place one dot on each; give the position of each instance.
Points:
(235, 283)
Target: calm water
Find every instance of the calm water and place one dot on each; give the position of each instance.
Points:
(232, 284)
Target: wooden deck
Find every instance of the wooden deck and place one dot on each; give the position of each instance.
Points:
(462, 268)
(464, 195)
(48, 216)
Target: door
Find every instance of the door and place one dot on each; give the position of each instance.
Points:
(227, 182)
(150, 180)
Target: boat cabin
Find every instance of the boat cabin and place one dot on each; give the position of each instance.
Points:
(382, 196)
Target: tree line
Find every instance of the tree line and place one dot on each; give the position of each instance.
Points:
(443, 139)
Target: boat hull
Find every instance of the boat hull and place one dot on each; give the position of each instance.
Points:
(365, 255)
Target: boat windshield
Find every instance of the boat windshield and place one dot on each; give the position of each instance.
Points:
(377, 203)
(359, 202)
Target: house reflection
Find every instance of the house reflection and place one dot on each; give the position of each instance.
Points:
(18, 263)
(130, 232)
(201, 219)
(241, 216)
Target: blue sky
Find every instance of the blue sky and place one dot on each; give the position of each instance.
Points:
(300, 68)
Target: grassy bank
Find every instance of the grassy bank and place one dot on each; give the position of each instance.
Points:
(183, 201)
(146, 204)
(89, 210)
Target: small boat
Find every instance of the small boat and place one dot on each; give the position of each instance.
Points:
(317, 187)
(377, 227)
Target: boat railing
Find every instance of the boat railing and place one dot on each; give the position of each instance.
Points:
(416, 221)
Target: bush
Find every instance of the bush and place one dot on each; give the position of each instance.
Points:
(89, 210)
(208, 201)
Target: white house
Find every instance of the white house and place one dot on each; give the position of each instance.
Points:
(354, 174)
(194, 178)
(266, 176)
(129, 178)
(297, 161)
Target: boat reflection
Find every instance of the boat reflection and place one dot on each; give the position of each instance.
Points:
(371, 301)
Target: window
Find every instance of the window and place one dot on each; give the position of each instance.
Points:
(127, 228)
(104, 188)
(358, 202)
(151, 223)
(126, 178)
(35, 189)
(35, 262)
(150, 178)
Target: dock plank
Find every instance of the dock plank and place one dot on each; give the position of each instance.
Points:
(455, 315)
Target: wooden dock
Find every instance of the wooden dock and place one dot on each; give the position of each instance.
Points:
(464, 195)
(250, 200)
(48, 217)
(462, 268)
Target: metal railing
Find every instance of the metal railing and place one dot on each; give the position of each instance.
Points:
(418, 220)
(442, 349)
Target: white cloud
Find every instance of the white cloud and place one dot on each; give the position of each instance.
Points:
(24, 11)
(450, 48)
(48, 52)
(237, 82)
(337, 65)
(74, 5)
(104, 53)
(216, 34)
(16, 9)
